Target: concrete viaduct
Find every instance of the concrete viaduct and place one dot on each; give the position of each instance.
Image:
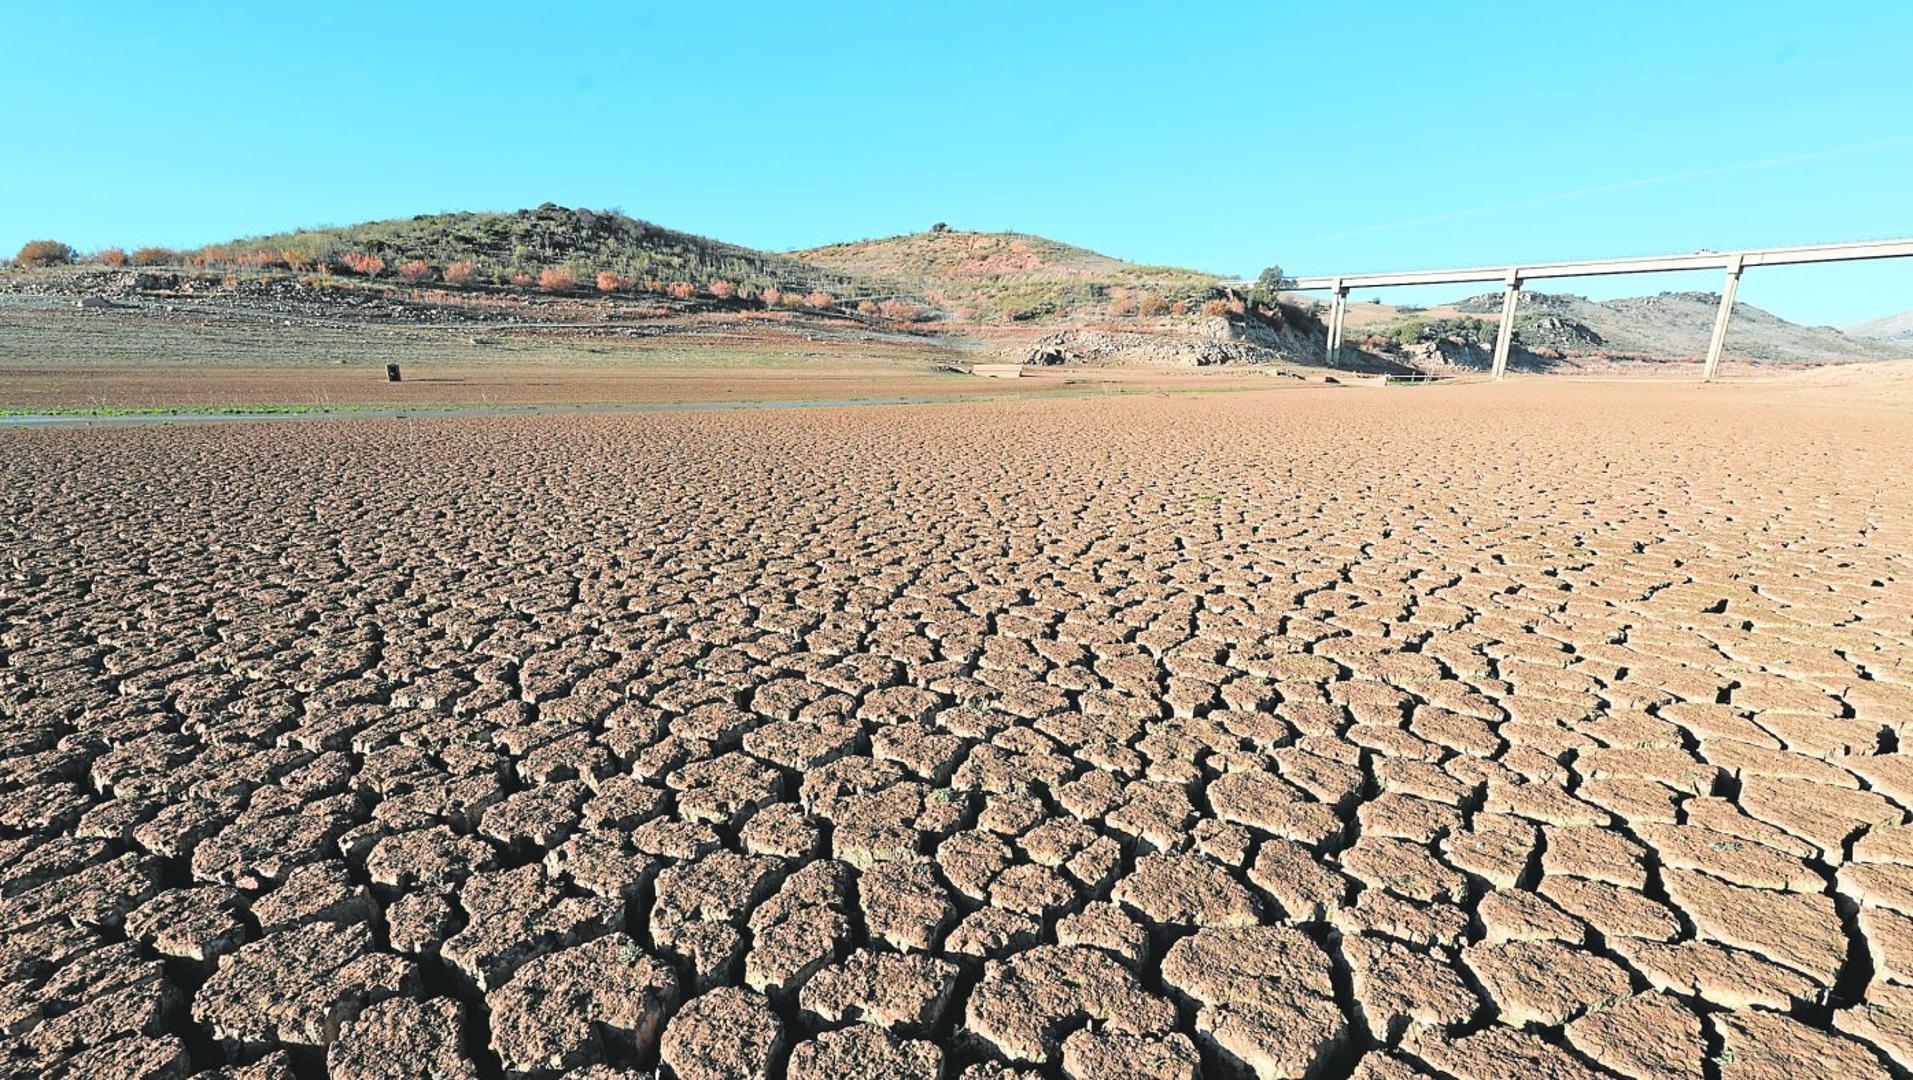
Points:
(1512, 278)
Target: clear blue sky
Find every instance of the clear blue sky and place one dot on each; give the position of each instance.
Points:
(1325, 137)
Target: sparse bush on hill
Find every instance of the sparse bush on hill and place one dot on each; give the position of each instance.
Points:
(680, 290)
(415, 270)
(360, 262)
(771, 296)
(1216, 308)
(500, 246)
(819, 300)
(110, 256)
(867, 307)
(1122, 302)
(459, 273)
(1180, 307)
(557, 279)
(1150, 304)
(1269, 284)
(1000, 276)
(44, 253)
(608, 282)
(521, 279)
(1419, 331)
(900, 310)
(723, 290)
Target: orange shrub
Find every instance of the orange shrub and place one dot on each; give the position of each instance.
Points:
(1180, 307)
(681, 290)
(415, 270)
(459, 273)
(819, 299)
(723, 290)
(557, 279)
(900, 310)
(771, 296)
(1215, 308)
(360, 262)
(298, 260)
(521, 279)
(44, 253)
(610, 282)
(1151, 304)
(867, 307)
(1122, 302)
(112, 256)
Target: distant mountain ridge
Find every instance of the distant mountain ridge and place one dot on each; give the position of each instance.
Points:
(1672, 325)
(1887, 328)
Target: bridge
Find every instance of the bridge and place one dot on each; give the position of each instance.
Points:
(1513, 277)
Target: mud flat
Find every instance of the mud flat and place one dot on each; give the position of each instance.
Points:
(1462, 731)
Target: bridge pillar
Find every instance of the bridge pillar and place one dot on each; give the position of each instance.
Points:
(1337, 314)
(1504, 334)
(1726, 313)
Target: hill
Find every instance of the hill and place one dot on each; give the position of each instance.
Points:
(1004, 276)
(993, 296)
(1668, 326)
(1890, 328)
(525, 242)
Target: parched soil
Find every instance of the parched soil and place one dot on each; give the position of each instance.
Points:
(561, 384)
(244, 353)
(1465, 732)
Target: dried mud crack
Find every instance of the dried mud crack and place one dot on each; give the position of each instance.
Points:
(1481, 732)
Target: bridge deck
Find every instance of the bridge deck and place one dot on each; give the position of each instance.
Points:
(1733, 262)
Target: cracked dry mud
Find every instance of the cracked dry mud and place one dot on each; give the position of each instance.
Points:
(1540, 730)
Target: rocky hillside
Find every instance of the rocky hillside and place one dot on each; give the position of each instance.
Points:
(1891, 328)
(499, 246)
(1008, 297)
(1669, 326)
(1000, 276)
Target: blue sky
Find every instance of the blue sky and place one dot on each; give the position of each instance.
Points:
(1325, 137)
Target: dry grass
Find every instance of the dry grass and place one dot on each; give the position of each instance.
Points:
(44, 253)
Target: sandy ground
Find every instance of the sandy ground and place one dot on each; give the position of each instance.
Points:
(428, 385)
(1465, 731)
